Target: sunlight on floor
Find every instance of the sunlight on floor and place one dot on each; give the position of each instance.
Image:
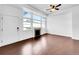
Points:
(40, 46)
(27, 49)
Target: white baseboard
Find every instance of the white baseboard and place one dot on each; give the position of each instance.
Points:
(75, 38)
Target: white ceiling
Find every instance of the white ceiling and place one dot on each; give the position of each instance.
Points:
(43, 7)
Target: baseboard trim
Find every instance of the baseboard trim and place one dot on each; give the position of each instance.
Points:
(59, 35)
(32, 38)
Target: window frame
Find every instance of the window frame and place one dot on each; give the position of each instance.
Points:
(32, 21)
(37, 20)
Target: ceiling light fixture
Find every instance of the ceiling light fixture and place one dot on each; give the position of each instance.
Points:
(53, 7)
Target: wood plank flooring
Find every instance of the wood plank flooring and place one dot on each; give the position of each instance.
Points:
(19, 48)
(44, 45)
(53, 45)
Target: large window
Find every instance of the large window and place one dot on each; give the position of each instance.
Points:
(27, 14)
(43, 22)
(36, 21)
(33, 21)
(26, 24)
(27, 20)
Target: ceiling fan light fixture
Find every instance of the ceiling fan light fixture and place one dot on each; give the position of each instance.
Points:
(53, 10)
(53, 7)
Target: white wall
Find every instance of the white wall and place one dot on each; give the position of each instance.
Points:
(11, 19)
(60, 24)
(75, 22)
(0, 29)
(65, 24)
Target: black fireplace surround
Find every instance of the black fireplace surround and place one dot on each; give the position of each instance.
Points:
(37, 32)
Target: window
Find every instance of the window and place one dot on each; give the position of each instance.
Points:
(36, 21)
(36, 17)
(36, 25)
(43, 22)
(31, 20)
(26, 23)
(27, 14)
(26, 20)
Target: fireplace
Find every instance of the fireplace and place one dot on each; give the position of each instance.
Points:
(37, 32)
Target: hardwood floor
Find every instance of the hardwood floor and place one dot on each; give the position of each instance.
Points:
(19, 48)
(53, 45)
(76, 47)
(44, 45)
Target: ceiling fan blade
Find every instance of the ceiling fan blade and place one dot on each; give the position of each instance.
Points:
(52, 6)
(58, 5)
(56, 8)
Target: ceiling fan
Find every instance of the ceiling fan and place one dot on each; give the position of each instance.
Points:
(53, 7)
